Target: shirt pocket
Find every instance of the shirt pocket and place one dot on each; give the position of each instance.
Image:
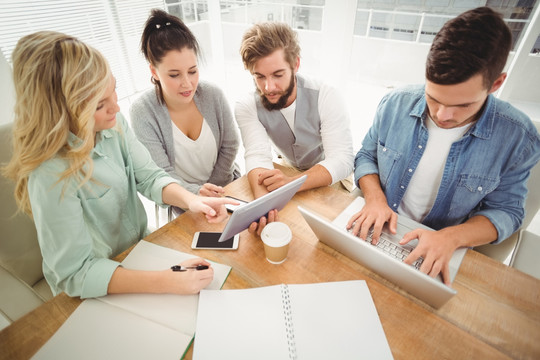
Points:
(470, 191)
(387, 158)
(92, 191)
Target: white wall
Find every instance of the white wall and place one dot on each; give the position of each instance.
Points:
(7, 92)
(388, 62)
(526, 82)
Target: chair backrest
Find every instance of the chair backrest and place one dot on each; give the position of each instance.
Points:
(525, 256)
(532, 204)
(19, 247)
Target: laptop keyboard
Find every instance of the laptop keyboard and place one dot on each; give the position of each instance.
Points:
(386, 245)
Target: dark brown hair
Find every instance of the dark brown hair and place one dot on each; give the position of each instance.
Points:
(476, 42)
(162, 33)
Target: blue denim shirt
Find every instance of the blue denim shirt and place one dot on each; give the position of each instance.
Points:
(486, 171)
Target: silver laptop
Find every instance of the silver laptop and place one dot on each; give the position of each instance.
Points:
(382, 259)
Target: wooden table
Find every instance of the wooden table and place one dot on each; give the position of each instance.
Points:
(495, 315)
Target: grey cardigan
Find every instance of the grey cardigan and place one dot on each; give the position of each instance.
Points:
(153, 126)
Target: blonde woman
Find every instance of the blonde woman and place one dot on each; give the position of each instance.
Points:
(78, 167)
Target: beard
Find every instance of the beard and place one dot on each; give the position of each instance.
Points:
(282, 101)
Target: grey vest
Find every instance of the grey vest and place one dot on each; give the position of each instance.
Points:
(305, 149)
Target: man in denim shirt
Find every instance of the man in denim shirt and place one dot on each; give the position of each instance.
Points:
(449, 154)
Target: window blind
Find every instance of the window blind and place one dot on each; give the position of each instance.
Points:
(112, 27)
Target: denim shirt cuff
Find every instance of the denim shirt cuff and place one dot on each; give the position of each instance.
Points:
(364, 169)
(502, 222)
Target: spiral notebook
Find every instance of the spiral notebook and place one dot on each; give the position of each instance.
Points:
(133, 326)
(335, 320)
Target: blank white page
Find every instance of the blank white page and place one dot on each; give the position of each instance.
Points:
(178, 312)
(337, 320)
(241, 324)
(97, 330)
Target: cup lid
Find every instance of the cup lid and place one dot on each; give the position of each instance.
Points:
(276, 234)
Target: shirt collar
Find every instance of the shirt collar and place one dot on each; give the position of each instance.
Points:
(73, 140)
(483, 127)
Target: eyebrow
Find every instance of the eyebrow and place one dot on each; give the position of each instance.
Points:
(274, 73)
(176, 70)
(456, 105)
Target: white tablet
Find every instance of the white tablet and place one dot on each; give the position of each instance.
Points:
(245, 214)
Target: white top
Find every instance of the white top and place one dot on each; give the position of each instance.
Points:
(190, 163)
(424, 185)
(335, 132)
(288, 114)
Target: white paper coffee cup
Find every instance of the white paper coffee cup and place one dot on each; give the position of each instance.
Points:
(276, 237)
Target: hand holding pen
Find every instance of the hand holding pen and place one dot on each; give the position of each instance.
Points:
(186, 268)
(192, 275)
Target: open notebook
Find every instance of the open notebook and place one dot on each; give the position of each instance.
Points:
(334, 320)
(133, 326)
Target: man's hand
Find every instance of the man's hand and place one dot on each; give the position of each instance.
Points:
(273, 179)
(373, 215)
(435, 248)
(257, 227)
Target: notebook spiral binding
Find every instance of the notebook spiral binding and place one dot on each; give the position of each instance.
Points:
(287, 314)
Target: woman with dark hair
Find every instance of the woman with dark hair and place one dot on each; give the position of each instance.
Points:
(186, 125)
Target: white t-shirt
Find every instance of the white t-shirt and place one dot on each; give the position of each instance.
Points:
(424, 185)
(190, 163)
(288, 114)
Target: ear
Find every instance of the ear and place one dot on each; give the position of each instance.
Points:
(154, 72)
(297, 64)
(497, 83)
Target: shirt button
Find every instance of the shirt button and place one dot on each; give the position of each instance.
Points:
(410, 170)
(479, 188)
(402, 187)
(419, 146)
(384, 149)
(394, 205)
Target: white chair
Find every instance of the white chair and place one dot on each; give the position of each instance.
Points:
(157, 210)
(526, 255)
(22, 284)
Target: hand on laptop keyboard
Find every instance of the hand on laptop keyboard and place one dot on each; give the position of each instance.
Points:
(389, 244)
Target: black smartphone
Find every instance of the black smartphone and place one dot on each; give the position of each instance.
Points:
(209, 241)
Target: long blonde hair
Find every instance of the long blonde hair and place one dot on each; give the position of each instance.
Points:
(59, 81)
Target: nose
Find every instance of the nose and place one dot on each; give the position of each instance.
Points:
(269, 85)
(184, 81)
(114, 108)
(444, 113)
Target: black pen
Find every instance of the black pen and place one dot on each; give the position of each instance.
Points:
(185, 268)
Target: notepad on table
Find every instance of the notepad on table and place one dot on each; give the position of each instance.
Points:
(133, 326)
(335, 320)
